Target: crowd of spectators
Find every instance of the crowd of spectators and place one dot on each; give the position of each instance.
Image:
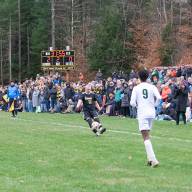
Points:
(50, 93)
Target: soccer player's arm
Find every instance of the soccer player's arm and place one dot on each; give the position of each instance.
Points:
(79, 104)
(96, 103)
(97, 106)
(157, 96)
(133, 101)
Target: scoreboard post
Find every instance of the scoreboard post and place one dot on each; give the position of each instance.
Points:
(59, 60)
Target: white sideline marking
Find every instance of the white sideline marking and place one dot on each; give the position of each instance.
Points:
(113, 131)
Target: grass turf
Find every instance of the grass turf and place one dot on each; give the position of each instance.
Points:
(58, 153)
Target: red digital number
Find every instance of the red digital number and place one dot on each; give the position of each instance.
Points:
(53, 53)
(57, 53)
(71, 59)
(62, 53)
(48, 60)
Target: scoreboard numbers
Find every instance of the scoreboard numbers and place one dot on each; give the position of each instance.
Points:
(58, 58)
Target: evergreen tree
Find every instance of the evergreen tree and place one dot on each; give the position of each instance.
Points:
(108, 52)
(40, 34)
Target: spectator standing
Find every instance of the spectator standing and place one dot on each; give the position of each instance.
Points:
(53, 97)
(42, 101)
(110, 88)
(110, 105)
(118, 92)
(68, 92)
(181, 96)
(35, 100)
(132, 110)
(46, 97)
(29, 98)
(125, 102)
(24, 98)
(99, 76)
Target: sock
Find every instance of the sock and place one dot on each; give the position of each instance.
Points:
(149, 151)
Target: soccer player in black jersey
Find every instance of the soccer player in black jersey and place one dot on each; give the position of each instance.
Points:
(90, 104)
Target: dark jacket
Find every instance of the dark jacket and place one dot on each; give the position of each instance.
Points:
(46, 94)
(181, 96)
(69, 93)
(53, 93)
(125, 101)
(110, 89)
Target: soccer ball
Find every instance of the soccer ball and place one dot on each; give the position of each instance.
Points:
(95, 125)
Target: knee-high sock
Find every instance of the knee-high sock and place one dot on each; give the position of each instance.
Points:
(149, 151)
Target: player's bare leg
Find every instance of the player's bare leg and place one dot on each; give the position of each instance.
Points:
(152, 161)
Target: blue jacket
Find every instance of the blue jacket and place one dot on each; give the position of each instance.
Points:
(13, 92)
(118, 95)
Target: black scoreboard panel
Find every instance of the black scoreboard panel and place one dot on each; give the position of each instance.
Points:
(60, 58)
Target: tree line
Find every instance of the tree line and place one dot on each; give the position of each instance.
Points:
(106, 34)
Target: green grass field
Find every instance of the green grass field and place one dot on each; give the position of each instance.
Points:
(58, 153)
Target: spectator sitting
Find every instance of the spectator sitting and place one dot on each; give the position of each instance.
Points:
(70, 107)
(166, 91)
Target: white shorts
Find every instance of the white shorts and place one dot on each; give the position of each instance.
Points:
(145, 124)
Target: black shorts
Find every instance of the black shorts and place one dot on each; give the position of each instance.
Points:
(90, 114)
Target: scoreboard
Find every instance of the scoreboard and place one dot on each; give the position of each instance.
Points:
(58, 59)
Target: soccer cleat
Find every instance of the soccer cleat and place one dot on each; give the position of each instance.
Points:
(96, 132)
(149, 163)
(102, 130)
(154, 164)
